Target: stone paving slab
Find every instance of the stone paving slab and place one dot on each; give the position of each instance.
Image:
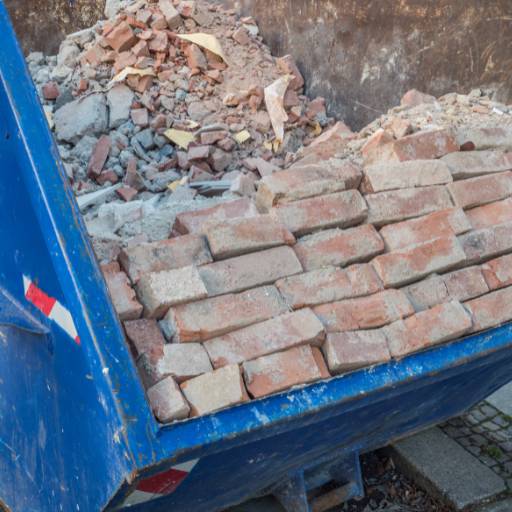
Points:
(502, 400)
(444, 468)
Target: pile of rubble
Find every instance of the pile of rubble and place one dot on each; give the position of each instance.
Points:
(160, 104)
(325, 255)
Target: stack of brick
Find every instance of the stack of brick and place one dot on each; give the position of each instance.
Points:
(335, 266)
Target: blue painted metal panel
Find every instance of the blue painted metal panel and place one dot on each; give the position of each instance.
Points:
(76, 432)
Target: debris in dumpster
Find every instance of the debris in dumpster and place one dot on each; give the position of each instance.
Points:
(282, 246)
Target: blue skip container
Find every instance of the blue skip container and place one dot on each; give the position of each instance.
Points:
(76, 430)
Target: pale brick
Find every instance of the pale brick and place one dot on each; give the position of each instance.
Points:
(364, 312)
(183, 361)
(469, 164)
(123, 296)
(195, 221)
(466, 283)
(496, 137)
(425, 145)
(491, 310)
(443, 223)
(346, 351)
(171, 15)
(145, 338)
(239, 236)
(277, 372)
(159, 291)
(427, 293)
(436, 325)
(216, 390)
(171, 254)
(491, 214)
(341, 210)
(413, 263)
(479, 191)
(250, 270)
(304, 181)
(167, 402)
(487, 243)
(398, 205)
(208, 318)
(339, 247)
(498, 272)
(280, 333)
(397, 175)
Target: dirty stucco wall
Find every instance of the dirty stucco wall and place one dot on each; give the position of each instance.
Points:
(42, 24)
(361, 55)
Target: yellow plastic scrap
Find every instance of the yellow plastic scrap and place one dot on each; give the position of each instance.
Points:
(268, 145)
(242, 136)
(178, 183)
(180, 137)
(49, 116)
(207, 41)
(274, 101)
(317, 130)
(129, 70)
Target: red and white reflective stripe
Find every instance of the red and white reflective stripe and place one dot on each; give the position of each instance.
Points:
(160, 484)
(51, 308)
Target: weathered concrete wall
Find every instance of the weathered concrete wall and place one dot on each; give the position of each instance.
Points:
(362, 55)
(42, 24)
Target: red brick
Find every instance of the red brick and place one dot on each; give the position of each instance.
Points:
(140, 116)
(239, 236)
(194, 221)
(425, 145)
(487, 243)
(491, 310)
(491, 214)
(398, 205)
(158, 291)
(241, 36)
(208, 318)
(123, 296)
(364, 279)
(486, 138)
(343, 209)
(346, 351)
(378, 139)
(215, 390)
(171, 15)
(145, 337)
(469, 164)
(250, 270)
(413, 98)
(164, 255)
(280, 333)
(277, 372)
(482, 190)
(211, 137)
(441, 323)
(160, 42)
(339, 247)
(167, 401)
(498, 272)
(413, 263)
(443, 223)
(400, 127)
(397, 175)
(304, 181)
(287, 65)
(465, 284)
(121, 38)
(427, 293)
(50, 91)
(198, 152)
(99, 156)
(364, 312)
(126, 193)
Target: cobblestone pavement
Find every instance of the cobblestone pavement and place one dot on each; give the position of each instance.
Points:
(486, 432)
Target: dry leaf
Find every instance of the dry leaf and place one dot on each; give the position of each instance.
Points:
(206, 41)
(274, 100)
(180, 137)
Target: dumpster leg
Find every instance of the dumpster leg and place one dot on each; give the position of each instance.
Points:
(292, 494)
(348, 472)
